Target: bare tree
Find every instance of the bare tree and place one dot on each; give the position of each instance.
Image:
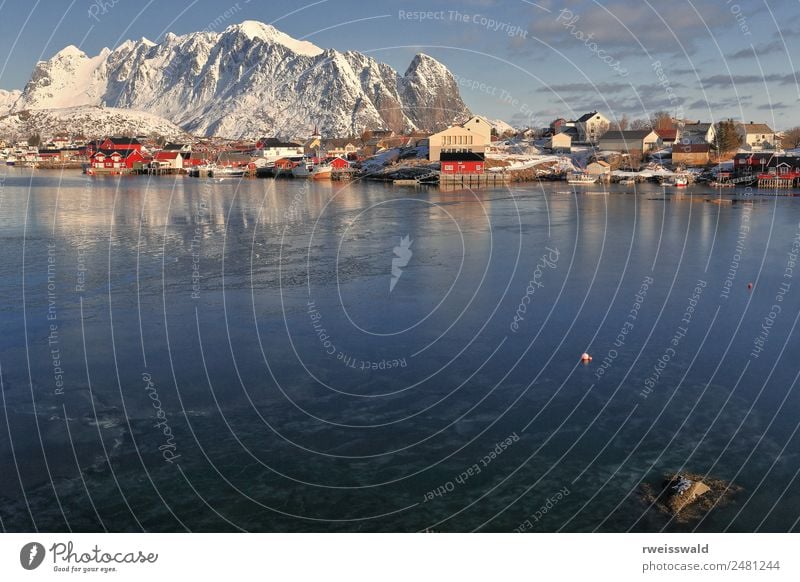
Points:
(791, 138)
(600, 129)
(661, 120)
(640, 124)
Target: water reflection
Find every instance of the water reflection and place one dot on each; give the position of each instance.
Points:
(302, 392)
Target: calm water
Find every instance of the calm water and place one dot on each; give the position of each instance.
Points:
(219, 355)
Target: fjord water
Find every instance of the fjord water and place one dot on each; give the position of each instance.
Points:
(204, 355)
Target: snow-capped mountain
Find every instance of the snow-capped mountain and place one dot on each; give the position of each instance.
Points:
(247, 81)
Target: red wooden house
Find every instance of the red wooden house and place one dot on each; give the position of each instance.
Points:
(120, 144)
(462, 163)
(339, 163)
(285, 164)
(110, 143)
(115, 160)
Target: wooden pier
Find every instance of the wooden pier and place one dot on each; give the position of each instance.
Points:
(778, 181)
(470, 180)
(342, 173)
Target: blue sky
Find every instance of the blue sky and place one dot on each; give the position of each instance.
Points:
(522, 61)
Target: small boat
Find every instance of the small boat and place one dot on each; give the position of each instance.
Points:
(302, 170)
(321, 172)
(581, 178)
(228, 172)
(627, 182)
(721, 184)
(11, 161)
(266, 172)
(676, 182)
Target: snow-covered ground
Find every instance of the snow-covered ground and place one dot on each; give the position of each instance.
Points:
(88, 121)
(384, 159)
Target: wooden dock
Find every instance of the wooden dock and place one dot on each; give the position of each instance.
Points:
(470, 180)
(778, 181)
(343, 174)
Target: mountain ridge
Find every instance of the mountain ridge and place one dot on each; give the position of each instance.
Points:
(247, 81)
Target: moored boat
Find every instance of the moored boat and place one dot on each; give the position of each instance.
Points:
(321, 172)
(227, 172)
(676, 182)
(302, 170)
(581, 178)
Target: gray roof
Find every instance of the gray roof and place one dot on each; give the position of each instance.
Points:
(233, 157)
(696, 127)
(586, 116)
(272, 142)
(757, 128)
(629, 135)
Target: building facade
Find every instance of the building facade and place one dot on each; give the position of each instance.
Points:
(473, 136)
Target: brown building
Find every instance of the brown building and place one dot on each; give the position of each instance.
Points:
(691, 154)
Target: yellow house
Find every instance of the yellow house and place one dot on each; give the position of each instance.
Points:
(598, 168)
(473, 136)
(312, 145)
(339, 148)
(560, 142)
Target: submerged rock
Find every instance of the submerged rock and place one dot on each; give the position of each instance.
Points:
(683, 491)
(687, 496)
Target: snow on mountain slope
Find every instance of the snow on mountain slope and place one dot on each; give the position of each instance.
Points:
(430, 93)
(7, 100)
(267, 33)
(501, 126)
(91, 121)
(68, 79)
(250, 80)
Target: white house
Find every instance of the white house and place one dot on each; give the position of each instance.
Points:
(757, 136)
(473, 136)
(591, 126)
(698, 133)
(172, 160)
(273, 149)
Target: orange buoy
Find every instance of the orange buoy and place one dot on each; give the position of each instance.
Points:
(586, 358)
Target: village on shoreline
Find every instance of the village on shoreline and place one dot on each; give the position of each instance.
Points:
(586, 150)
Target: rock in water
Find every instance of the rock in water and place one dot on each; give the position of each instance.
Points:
(683, 492)
(687, 496)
